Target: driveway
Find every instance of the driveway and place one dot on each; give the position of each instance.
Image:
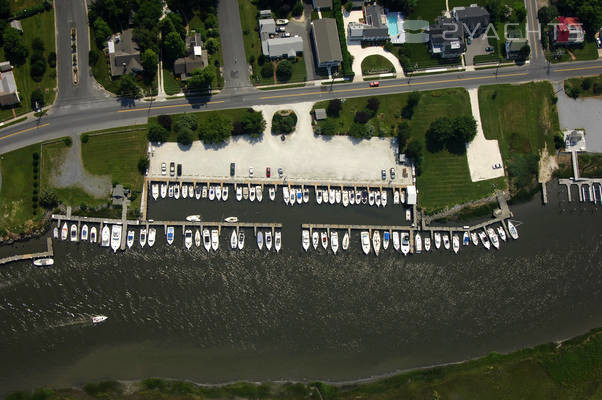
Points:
(476, 48)
(585, 113)
(236, 69)
(302, 27)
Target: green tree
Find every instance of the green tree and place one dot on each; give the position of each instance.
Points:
(4, 9)
(143, 164)
(185, 136)
(210, 21)
(216, 129)
(150, 60)
(37, 66)
(328, 127)
(212, 45)
(284, 71)
(49, 199)
(546, 14)
(414, 152)
(37, 45)
(357, 130)
(37, 98)
(496, 10)
(174, 47)
(438, 134)
(201, 79)
(187, 121)
(524, 52)
(348, 6)
(373, 105)
(267, 70)
(253, 123)
(334, 107)
(465, 128)
(101, 31)
(297, 9)
(156, 133)
(403, 134)
(14, 46)
(127, 87)
(284, 123)
(148, 13)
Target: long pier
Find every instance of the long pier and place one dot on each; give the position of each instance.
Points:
(20, 257)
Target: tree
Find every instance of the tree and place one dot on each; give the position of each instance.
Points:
(37, 99)
(297, 9)
(587, 83)
(49, 199)
(4, 9)
(101, 31)
(148, 13)
(156, 133)
(150, 60)
(524, 52)
(201, 79)
(216, 129)
(188, 121)
(546, 14)
(328, 127)
(127, 87)
(14, 46)
(357, 130)
(37, 45)
(185, 136)
(407, 111)
(414, 153)
(361, 117)
(253, 123)
(267, 70)
(348, 6)
(496, 10)
(465, 129)
(212, 45)
(373, 105)
(164, 121)
(284, 71)
(438, 134)
(518, 12)
(174, 46)
(143, 164)
(403, 134)
(284, 123)
(210, 21)
(334, 107)
(37, 66)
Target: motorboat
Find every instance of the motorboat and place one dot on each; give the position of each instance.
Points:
(334, 241)
(130, 239)
(512, 230)
(331, 196)
(231, 219)
(282, 21)
(376, 242)
(494, 238)
(502, 233)
(55, 233)
(238, 193)
(315, 239)
(292, 196)
(465, 239)
(233, 240)
(268, 240)
(305, 239)
(299, 196)
(395, 196)
(402, 196)
(206, 239)
(405, 243)
(73, 236)
(218, 193)
(214, 239)
(142, 238)
(225, 193)
(84, 233)
(285, 194)
(475, 238)
(245, 192)
(184, 191)
(345, 242)
(365, 240)
(176, 191)
(115, 237)
(188, 238)
(170, 234)
(211, 193)
(364, 197)
(93, 235)
(337, 196)
(272, 193)
(345, 198)
(193, 218)
(204, 193)
(371, 198)
(152, 233)
(105, 237)
(97, 319)
(197, 238)
(252, 193)
(259, 193)
(418, 243)
(43, 262)
(484, 240)
(163, 190)
(446, 242)
(437, 240)
(351, 196)
(383, 198)
(155, 190)
(319, 196)
(358, 197)
(278, 241)
(408, 214)
(190, 190)
(241, 240)
(305, 195)
(386, 240)
(427, 243)
(324, 240)
(377, 199)
(260, 240)
(170, 191)
(396, 240)
(197, 192)
(456, 243)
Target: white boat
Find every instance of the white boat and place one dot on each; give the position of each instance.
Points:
(456, 243)
(105, 239)
(245, 192)
(190, 190)
(115, 237)
(365, 240)
(337, 196)
(345, 198)
(188, 238)
(238, 193)
(427, 243)
(64, 231)
(278, 241)
(285, 194)
(93, 235)
(484, 240)
(197, 192)
(130, 239)
(358, 197)
(502, 233)
(225, 193)
(43, 262)
(197, 238)
(206, 239)
(324, 240)
(155, 190)
(260, 240)
(258, 193)
(475, 238)
(315, 239)
(84, 234)
(282, 21)
(214, 239)
(345, 242)
(97, 319)
(204, 192)
(494, 238)
(396, 240)
(395, 196)
(376, 242)
(152, 233)
(351, 195)
(386, 240)
(268, 240)
(55, 232)
(437, 240)
(231, 219)
(405, 243)
(272, 193)
(170, 234)
(252, 193)
(512, 230)
(371, 198)
(193, 218)
(418, 243)
(218, 193)
(465, 239)
(383, 198)
(163, 190)
(176, 191)
(377, 199)
(305, 195)
(170, 191)
(326, 196)
(142, 238)
(408, 215)
(402, 196)
(334, 241)
(184, 191)
(319, 196)
(241, 240)
(305, 239)
(211, 193)
(446, 242)
(73, 237)
(233, 240)
(299, 196)
(331, 196)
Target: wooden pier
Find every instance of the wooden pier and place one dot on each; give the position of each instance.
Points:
(48, 253)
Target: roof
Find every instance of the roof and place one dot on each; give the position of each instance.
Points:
(320, 113)
(374, 15)
(8, 87)
(322, 3)
(474, 11)
(570, 30)
(267, 25)
(118, 191)
(326, 40)
(126, 54)
(290, 46)
(196, 58)
(15, 23)
(411, 199)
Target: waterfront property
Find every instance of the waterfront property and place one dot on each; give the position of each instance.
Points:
(326, 43)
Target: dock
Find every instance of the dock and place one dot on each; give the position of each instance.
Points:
(32, 256)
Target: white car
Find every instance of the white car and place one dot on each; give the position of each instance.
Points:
(250, 172)
(286, 34)
(280, 172)
(163, 169)
(280, 29)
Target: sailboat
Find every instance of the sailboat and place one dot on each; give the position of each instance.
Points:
(241, 240)
(214, 239)
(446, 242)
(55, 232)
(346, 241)
(115, 237)
(334, 241)
(493, 237)
(405, 243)
(130, 239)
(260, 240)
(225, 193)
(324, 240)
(278, 241)
(163, 190)
(418, 243)
(386, 240)
(365, 240)
(512, 230)
(170, 234)
(259, 193)
(238, 193)
(233, 240)
(206, 239)
(84, 233)
(475, 238)
(105, 236)
(152, 233)
(305, 239)
(456, 243)
(484, 240)
(376, 242)
(502, 233)
(197, 238)
(93, 235)
(188, 238)
(272, 193)
(268, 240)
(315, 239)
(396, 240)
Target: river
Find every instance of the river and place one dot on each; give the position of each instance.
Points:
(251, 315)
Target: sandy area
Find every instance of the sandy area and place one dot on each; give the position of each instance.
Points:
(482, 154)
(302, 155)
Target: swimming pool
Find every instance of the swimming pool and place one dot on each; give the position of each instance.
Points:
(392, 23)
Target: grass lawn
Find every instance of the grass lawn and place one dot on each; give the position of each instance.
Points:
(376, 64)
(170, 83)
(248, 19)
(499, 45)
(586, 87)
(588, 51)
(18, 5)
(428, 10)
(42, 26)
(419, 57)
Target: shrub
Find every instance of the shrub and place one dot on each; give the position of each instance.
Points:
(597, 88)
(35, 162)
(587, 83)
(334, 107)
(403, 134)
(349, 7)
(185, 121)
(573, 92)
(284, 123)
(36, 156)
(216, 129)
(84, 138)
(357, 130)
(35, 168)
(68, 141)
(143, 164)
(297, 9)
(361, 117)
(373, 104)
(328, 127)
(267, 70)
(164, 121)
(261, 59)
(37, 98)
(156, 133)
(35, 184)
(185, 136)
(252, 123)
(558, 142)
(92, 57)
(284, 71)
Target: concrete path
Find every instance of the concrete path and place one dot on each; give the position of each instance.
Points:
(482, 154)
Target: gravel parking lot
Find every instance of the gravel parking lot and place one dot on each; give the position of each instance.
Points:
(581, 114)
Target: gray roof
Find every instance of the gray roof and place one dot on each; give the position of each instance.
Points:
(185, 65)
(326, 40)
(126, 55)
(375, 15)
(320, 114)
(267, 25)
(443, 37)
(323, 4)
(278, 47)
(474, 17)
(8, 88)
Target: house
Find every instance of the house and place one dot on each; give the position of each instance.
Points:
(119, 195)
(124, 54)
(374, 28)
(326, 43)
(446, 38)
(8, 86)
(322, 4)
(513, 48)
(474, 19)
(568, 31)
(274, 46)
(265, 13)
(195, 58)
(15, 23)
(319, 114)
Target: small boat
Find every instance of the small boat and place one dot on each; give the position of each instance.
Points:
(386, 240)
(395, 196)
(285, 194)
(130, 239)
(55, 233)
(305, 195)
(365, 240)
(115, 237)
(206, 239)
(93, 235)
(155, 190)
(408, 215)
(502, 233)
(299, 196)
(512, 230)
(184, 191)
(43, 262)
(365, 197)
(475, 238)
(334, 241)
(204, 192)
(105, 236)
(233, 240)
(484, 240)
(84, 234)
(241, 240)
(142, 239)
(427, 243)
(376, 242)
(351, 196)
(245, 192)
(252, 193)
(214, 239)
(282, 21)
(331, 196)
(238, 193)
(494, 238)
(197, 192)
(211, 193)
(152, 233)
(446, 242)
(358, 197)
(218, 193)
(231, 219)
(305, 239)
(325, 196)
(383, 198)
(197, 238)
(64, 232)
(377, 199)
(176, 191)
(260, 240)
(418, 243)
(278, 241)
(170, 191)
(163, 190)
(188, 238)
(268, 240)
(73, 237)
(345, 198)
(324, 240)
(225, 193)
(337, 196)
(437, 240)
(402, 196)
(465, 239)
(371, 198)
(170, 234)
(193, 218)
(292, 198)
(259, 193)
(319, 196)
(396, 240)
(405, 243)
(272, 193)
(456, 243)
(97, 319)
(346, 241)
(190, 190)
(315, 239)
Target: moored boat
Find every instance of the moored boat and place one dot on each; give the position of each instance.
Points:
(245, 192)
(233, 240)
(331, 196)
(437, 240)
(386, 240)
(475, 238)
(197, 192)
(211, 193)
(116, 237)
(285, 194)
(484, 240)
(465, 239)
(218, 193)
(408, 214)
(427, 243)
(299, 196)
(84, 233)
(494, 238)
(260, 240)
(225, 193)
(55, 232)
(184, 191)
(64, 231)
(163, 190)
(358, 197)
(345, 198)
(377, 198)
(383, 198)
(197, 238)
(231, 219)
(214, 239)
(268, 240)
(176, 191)
(371, 198)
(396, 240)
(252, 193)
(130, 239)
(170, 234)
(337, 196)
(512, 230)
(405, 243)
(315, 239)
(97, 319)
(418, 243)
(365, 240)
(152, 233)
(305, 195)
(351, 197)
(319, 196)
(170, 191)
(93, 235)
(324, 239)
(305, 239)
(193, 218)
(345, 243)
(277, 241)
(142, 238)
(105, 236)
(456, 243)
(204, 191)
(258, 193)
(73, 237)
(446, 242)
(155, 190)
(502, 233)
(395, 196)
(206, 239)
(272, 193)
(238, 193)
(241, 240)
(43, 262)
(334, 241)
(376, 242)
(188, 238)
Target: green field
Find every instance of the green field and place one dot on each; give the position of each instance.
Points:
(376, 64)
(588, 51)
(585, 87)
(170, 83)
(427, 10)
(418, 57)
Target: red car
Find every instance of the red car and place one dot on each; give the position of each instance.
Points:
(268, 172)
(375, 84)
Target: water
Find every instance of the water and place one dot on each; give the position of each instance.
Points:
(251, 315)
(392, 23)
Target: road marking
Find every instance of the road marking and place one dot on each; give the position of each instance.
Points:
(24, 130)
(578, 69)
(170, 106)
(392, 86)
(533, 20)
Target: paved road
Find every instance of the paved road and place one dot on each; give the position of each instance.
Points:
(236, 69)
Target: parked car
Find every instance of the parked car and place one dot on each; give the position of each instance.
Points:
(383, 174)
(280, 172)
(374, 84)
(250, 172)
(281, 29)
(286, 34)
(392, 173)
(172, 169)
(489, 49)
(232, 169)
(268, 172)
(179, 169)
(163, 169)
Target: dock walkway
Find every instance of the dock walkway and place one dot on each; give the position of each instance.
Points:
(20, 257)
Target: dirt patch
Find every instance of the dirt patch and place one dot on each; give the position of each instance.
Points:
(547, 165)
